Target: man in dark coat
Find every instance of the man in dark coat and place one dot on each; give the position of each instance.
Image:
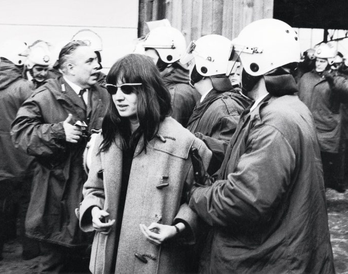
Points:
(338, 81)
(267, 207)
(166, 46)
(315, 91)
(54, 126)
(216, 115)
(16, 167)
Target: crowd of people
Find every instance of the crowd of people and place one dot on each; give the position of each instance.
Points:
(211, 157)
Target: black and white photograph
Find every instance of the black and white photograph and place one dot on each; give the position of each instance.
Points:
(174, 137)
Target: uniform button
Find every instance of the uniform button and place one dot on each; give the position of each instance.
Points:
(140, 257)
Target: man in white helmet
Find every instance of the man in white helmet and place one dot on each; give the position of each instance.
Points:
(338, 61)
(216, 115)
(37, 63)
(267, 206)
(166, 45)
(316, 92)
(16, 167)
(306, 64)
(339, 84)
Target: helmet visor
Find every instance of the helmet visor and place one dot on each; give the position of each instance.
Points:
(188, 58)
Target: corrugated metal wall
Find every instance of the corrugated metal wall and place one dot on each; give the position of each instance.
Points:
(196, 18)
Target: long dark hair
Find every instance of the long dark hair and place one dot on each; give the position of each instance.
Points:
(153, 101)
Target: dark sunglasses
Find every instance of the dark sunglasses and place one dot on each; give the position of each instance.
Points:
(127, 88)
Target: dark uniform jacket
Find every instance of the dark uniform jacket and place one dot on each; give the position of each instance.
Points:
(216, 119)
(268, 208)
(339, 86)
(316, 93)
(184, 97)
(15, 165)
(59, 177)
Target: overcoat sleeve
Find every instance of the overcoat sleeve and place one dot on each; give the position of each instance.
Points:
(93, 189)
(186, 214)
(251, 190)
(37, 137)
(339, 85)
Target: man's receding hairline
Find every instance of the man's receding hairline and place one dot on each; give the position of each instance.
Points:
(72, 54)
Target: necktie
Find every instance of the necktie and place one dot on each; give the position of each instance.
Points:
(82, 91)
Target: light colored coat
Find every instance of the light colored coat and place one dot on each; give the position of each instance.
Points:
(158, 188)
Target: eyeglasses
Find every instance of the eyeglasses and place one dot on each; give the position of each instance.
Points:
(127, 88)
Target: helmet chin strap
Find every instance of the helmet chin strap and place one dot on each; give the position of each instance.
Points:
(248, 81)
(195, 77)
(161, 65)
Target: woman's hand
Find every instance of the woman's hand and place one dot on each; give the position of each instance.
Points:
(157, 233)
(99, 220)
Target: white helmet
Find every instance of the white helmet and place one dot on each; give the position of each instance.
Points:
(338, 59)
(266, 44)
(90, 37)
(211, 55)
(39, 54)
(345, 60)
(169, 43)
(15, 51)
(326, 51)
(56, 48)
(309, 53)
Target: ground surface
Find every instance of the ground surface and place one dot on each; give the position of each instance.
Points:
(338, 223)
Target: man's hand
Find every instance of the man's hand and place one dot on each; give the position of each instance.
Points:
(72, 133)
(329, 76)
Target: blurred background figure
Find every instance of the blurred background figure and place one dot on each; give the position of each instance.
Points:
(315, 90)
(324, 56)
(338, 61)
(338, 81)
(166, 45)
(307, 64)
(16, 167)
(37, 63)
(236, 75)
(92, 39)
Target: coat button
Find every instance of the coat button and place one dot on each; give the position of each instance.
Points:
(140, 257)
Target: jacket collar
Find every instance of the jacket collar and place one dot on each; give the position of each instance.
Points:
(280, 83)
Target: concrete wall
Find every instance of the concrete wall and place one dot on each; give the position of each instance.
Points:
(56, 21)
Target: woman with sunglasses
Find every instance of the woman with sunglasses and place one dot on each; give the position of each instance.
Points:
(140, 178)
